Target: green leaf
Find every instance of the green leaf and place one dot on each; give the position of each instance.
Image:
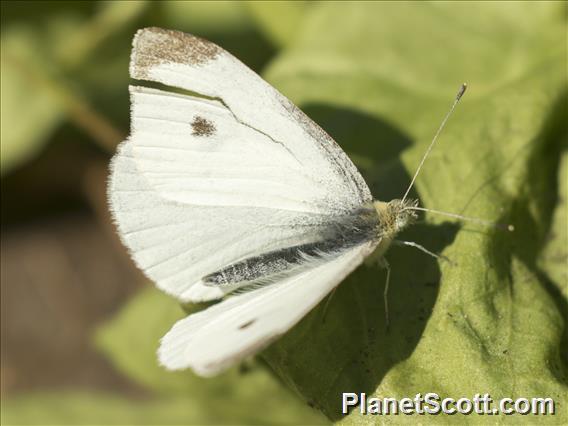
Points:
(279, 20)
(91, 408)
(207, 16)
(380, 83)
(28, 114)
(227, 23)
(131, 340)
(39, 61)
(554, 255)
(73, 44)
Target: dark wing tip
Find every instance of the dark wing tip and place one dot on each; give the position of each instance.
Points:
(155, 46)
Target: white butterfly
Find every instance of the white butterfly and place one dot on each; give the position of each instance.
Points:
(233, 189)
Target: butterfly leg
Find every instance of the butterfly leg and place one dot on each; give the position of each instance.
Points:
(423, 249)
(384, 264)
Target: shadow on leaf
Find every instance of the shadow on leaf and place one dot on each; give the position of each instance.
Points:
(349, 349)
(532, 214)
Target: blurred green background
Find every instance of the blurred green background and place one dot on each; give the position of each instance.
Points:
(80, 325)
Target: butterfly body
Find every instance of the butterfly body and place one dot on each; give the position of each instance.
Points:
(394, 216)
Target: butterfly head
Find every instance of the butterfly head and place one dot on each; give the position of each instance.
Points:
(395, 215)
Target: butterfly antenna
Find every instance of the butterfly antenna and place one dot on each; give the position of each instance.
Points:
(502, 226)
(448, 114)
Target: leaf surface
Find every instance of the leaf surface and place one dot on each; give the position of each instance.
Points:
(131, 340)
(380, 82)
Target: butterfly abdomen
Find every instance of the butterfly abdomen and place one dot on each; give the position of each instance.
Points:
(343, 234)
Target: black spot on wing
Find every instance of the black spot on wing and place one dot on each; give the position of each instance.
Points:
(202, 127)
(247, 324)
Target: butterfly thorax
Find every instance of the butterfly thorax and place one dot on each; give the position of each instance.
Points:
(394, 216)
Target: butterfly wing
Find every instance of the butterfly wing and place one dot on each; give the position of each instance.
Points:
(209, 180)
(217, 337)
(190, 63)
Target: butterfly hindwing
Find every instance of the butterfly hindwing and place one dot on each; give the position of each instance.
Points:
(214, 339)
